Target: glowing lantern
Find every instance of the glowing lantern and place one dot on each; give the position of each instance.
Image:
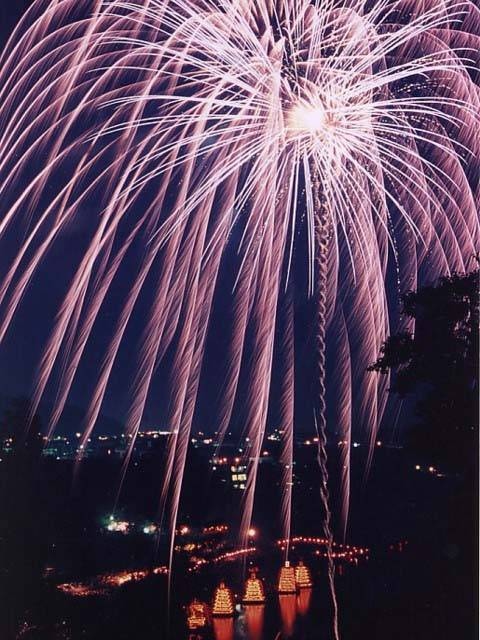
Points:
(286, 579)
(223, 603)
(197, 615)
(254, 592)
(303, 577)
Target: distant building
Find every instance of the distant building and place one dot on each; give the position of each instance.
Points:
(239, 476)
(61, 448)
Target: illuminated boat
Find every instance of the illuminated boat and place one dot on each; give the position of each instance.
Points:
(303, 577)
(286, 579)
(254, 591)
(197, 615)
(223, 602)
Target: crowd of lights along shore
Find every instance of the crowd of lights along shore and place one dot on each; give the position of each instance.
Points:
(193, 126)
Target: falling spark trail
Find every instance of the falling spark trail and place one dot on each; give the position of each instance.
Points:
(322, 245)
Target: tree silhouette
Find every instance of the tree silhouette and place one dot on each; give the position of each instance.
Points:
(438, 365)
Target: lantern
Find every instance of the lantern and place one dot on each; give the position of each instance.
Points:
(223, 603)
(254, 591)
(303, 577)
(286, 579)
(197, 615)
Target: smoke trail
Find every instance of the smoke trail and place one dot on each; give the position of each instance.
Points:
(323, 224)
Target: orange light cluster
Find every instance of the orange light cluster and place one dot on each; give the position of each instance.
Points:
(348, 556)
(80, 590)
(183, 530)
(218, 528)
(100, 585)
(254, 592)
(189, 547)
(303, 539)
(197, 615)
(339, 550)
(231, 555)
(121, 578)
(223, 602)
(197, 563)
(224, 557)
(302, 576)
(286, 580)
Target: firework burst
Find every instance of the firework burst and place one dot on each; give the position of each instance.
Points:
(195, 126)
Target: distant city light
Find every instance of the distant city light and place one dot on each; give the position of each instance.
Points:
(418, 467)
(120, 526)
(149, 529)
(102, 584)
(252, 533)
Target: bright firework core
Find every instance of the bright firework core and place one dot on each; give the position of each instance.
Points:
(308, 119)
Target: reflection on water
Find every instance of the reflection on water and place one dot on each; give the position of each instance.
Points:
(288, 613)
(259, 622)
(254, 615)
(303, 601)
(223, 628)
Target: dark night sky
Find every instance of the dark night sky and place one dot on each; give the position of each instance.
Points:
(10, 11)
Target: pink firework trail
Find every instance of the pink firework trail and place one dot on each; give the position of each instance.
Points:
(192, 125)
